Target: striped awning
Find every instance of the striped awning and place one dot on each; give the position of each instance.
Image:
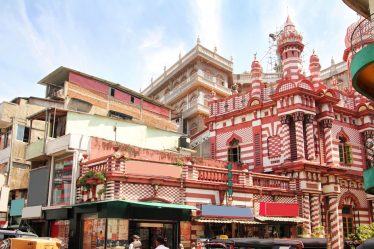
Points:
(280, 219)
(226, 220)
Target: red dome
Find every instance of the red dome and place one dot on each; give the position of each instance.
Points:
(314, 58)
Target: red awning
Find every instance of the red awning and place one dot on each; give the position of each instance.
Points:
(279, 209)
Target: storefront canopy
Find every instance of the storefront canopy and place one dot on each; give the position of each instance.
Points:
(142, 203)
(129, 209)
(280, 219)
(226, 211)
(226, 220)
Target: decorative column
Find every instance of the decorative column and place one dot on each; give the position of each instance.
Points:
(335, 230)
(369, 147)
(285, 137)
(311, 154)
(327, 125)
(255, 79)
(315, 211)
(306, 215)
(298, 118)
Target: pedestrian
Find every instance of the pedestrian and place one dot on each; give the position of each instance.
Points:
(160, 243)
(136, 243)
(193, 245)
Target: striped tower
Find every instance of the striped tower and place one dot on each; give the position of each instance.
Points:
(285, 136)
(255, 80)
(315, 211)
(311, 154)
(315, 69)
(290, 46)
(327, 125)
(306, 215)
(298, 117)
(335, 230)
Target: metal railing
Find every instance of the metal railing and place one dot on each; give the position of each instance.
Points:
(362, 34)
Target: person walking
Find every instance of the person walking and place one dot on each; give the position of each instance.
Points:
(136, 243)
(160, 243)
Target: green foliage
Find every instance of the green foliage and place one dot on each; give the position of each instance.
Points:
(101, 191)
(89, 175)
(363, 232)
(318, 232)
(179, 162)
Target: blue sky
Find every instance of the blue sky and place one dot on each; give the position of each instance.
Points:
(129, 42)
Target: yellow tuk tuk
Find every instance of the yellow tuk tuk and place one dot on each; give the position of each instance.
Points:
(35, 243)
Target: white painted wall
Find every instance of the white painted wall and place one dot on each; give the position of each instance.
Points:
(127, 132)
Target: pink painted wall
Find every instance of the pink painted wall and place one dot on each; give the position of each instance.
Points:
(125, 97)
(152, 169)
(88, 83)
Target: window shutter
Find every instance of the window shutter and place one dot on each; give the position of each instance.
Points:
(349, 154)
(341, 153)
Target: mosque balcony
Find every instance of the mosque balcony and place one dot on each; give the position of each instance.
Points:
(191, 83)
(369, 180)
(362, 65)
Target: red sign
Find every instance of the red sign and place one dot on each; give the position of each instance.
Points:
(279, 209)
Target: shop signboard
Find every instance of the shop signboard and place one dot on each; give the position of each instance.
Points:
(226, 211)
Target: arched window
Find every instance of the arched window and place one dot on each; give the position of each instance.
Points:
(345, 151)
(348, 220)
(233, 153)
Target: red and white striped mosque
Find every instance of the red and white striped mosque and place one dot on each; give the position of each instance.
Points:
(307, 131)
(296, 145)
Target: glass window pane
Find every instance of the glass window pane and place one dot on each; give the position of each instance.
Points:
(20, 132)
(61, 184)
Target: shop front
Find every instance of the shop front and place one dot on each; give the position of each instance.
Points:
(226, 221)
(111, 224)
(279, 220)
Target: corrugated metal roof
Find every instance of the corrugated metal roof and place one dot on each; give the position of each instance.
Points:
(226, 220)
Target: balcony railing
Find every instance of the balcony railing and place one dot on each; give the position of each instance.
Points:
(263, 182)
(362, 35)
(189, 82)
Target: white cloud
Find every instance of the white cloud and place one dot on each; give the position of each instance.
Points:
(155, 53)
(207, 21)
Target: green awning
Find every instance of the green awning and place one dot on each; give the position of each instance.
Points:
(161, 204)
(142, 203)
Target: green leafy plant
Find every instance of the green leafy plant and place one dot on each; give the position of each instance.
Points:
(363, 232)
(179, 162)
(318, 232)
(101, 191)
(83, 180)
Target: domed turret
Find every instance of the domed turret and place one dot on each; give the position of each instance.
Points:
(289, 36)
(290, 46)
(315, 69)
(255, 81)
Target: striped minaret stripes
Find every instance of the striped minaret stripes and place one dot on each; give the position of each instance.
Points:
(314, 68)
(255, 80)
(310, 137)
(315, 211)
(306, 214)
(298, 118)
(290, 46)
(285, 137)
(327, 125)
(334, 222)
